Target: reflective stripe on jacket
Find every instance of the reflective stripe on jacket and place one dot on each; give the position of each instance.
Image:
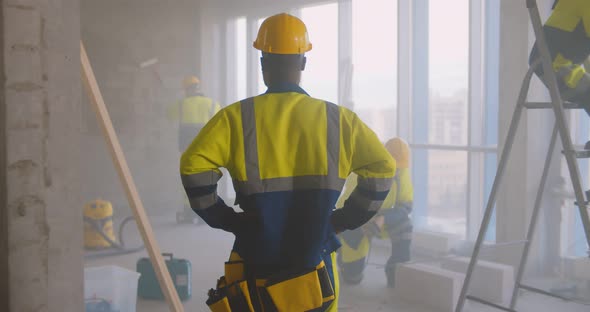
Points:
(288, 155)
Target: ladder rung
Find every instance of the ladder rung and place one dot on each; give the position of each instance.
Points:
(585, 204)
(549, 105)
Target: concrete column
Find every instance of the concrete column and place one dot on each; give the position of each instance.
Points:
(513, 197)
(41, 87)
(4, 265)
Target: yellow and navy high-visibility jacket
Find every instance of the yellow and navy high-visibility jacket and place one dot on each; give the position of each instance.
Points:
(289, 155)
(568, 38)
(192, 113)
(401, 194)
(193, 110)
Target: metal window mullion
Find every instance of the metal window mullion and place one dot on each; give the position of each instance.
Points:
(231, 71)
(475, 109)
(251, 56)
(218, 59)
(418, 101)
(345, 53)
(209, 59)
(466, 148)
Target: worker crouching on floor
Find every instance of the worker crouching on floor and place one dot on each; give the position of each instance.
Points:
(392, 222)
(567, 31)
(288, 155)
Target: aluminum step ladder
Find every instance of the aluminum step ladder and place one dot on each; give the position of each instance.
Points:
(560, 127)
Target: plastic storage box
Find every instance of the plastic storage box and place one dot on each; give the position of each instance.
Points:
(110, 289)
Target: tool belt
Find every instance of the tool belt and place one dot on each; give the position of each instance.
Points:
(288, 291)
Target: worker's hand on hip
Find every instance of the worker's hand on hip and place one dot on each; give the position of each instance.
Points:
(247, 223)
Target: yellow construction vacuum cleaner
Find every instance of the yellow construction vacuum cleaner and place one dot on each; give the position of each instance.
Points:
(99, 231)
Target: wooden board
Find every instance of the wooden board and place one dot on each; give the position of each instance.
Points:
(120, 162)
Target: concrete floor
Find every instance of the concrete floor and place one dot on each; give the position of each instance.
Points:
(207, 249)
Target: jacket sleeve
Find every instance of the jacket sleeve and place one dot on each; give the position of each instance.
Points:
(363, 154)
(349, 186)
(199, 171)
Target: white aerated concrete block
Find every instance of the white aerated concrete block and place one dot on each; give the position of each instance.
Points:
(432, 243)
(578, 268)
(490, 281)
(429, 287)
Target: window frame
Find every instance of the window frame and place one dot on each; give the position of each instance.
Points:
(413, 79)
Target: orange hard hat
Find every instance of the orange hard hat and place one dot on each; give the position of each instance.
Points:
(190, 80)
(400, 151)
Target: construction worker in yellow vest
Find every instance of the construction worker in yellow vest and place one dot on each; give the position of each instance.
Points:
(568, 37)
(392, 222)
(288, 155)
(192, 113)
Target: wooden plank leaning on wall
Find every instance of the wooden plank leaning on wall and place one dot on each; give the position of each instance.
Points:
(120, 162)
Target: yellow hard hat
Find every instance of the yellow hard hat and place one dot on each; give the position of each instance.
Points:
(190, 80)
(282, 34)
(400, 151)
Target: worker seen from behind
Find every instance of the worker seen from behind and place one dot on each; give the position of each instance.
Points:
(288, 155)
(192, 113)
(567, 31)
(392, 222)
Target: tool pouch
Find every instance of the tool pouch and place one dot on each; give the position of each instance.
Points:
(234, 271)
(231, 293)
(233, 297)
(301, 291)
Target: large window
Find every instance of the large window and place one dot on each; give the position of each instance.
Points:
(453, 112)
(374, 64)
(448, 72)
(320, 78)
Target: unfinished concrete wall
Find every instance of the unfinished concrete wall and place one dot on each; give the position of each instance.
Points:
(4, 267)
(119, 37)
(41, 87)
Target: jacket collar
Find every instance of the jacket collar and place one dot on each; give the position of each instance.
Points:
(285, 87)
